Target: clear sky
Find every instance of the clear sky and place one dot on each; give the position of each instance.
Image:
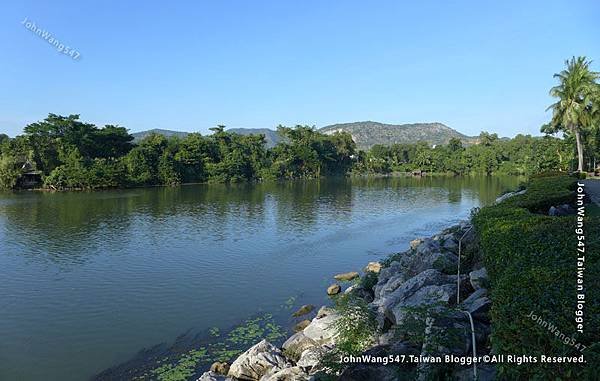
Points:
(473, 65)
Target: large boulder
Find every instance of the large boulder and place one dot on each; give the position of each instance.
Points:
(322, 329)
(478, 305)
(296, 344)
(427, 255)
(257, 361)
(310, 358)
(360, 292)
(301, 325)
(426, 288)
(479, 278)
(446, 332)
(449, 243)
(294, 373)
(324, 311)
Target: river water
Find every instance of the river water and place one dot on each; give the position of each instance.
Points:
(88, 279)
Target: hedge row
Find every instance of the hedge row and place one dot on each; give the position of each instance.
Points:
(531, 261)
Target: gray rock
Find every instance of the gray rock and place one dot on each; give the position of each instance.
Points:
(479, 279)
(294, 373)
(359, 292)
(426, 288)
(446, 332)
(324, 311)
(444, 262)
(310, 357)
(561, 210)
(479, 308)
(450, 243)
(212, 376)
(296, 344)
(428, 255)
(322, 330)
(474, 296)
(301, 325)
(257, 361)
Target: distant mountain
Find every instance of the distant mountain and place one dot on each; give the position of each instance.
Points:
(137, 136)
(367, 134)
(271, 136)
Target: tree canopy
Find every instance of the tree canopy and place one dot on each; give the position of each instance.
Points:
(575, 112)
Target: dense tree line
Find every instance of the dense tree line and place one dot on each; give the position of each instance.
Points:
(71, 154)
(522, 155)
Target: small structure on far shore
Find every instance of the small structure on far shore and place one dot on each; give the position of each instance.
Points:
(30, 177)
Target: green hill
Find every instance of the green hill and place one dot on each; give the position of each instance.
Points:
(271, 136)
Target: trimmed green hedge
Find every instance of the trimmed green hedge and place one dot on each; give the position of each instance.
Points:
(531, 261)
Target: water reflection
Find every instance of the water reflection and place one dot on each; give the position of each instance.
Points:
(90, 278)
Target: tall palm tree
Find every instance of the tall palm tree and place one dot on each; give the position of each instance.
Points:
(572, 112)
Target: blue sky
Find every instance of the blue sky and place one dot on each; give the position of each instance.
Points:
(473, 65)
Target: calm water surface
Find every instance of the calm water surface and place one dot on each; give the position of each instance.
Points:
(89, 279)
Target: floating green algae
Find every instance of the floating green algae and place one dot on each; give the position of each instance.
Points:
(183, 366)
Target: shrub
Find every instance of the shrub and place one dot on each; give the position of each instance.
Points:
(356, 329)
(531, 261)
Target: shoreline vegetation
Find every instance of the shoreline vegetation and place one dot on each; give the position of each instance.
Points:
(64, 153)
(467, 291)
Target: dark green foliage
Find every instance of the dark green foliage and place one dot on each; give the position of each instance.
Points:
(75, 155)
(356, 329)
(522, 155)
(531, 261)
(9, 171)
(369, 280)
(106, 157)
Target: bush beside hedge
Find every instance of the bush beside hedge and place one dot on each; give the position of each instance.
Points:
(531, 261)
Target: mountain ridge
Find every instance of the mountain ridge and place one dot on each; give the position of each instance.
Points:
(369, 133)
(365, 134)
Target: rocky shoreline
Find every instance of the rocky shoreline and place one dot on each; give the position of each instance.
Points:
(425, 301)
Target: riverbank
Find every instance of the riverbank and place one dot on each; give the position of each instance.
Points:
(429, 307)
